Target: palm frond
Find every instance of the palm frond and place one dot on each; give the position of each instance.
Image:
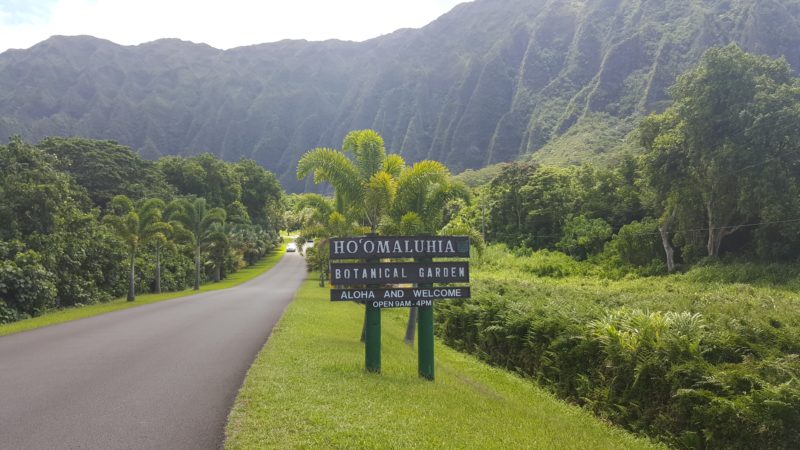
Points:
(329, 165)
(394, 165)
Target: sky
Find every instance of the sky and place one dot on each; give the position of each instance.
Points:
(221, 24)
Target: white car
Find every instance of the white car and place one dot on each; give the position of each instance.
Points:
(291, 247)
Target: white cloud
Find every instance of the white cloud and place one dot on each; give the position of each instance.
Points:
(223, 24)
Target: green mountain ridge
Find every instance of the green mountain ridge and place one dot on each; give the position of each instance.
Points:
(490, 81)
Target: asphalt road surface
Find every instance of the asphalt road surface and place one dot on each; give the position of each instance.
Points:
(159, 376)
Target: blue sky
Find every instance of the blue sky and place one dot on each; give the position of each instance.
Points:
(17, 12)
(222, 24)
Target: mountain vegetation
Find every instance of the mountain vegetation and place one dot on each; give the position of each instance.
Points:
(488, 82)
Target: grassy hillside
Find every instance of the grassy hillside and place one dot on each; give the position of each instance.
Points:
(308, 389)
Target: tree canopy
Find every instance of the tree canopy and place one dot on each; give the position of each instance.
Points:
(729, 147)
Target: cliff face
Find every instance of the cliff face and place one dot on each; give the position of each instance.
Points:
(487, 82)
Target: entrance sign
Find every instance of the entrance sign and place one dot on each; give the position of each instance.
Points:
(384, 273)
(400, 247)
(349, 295)
(372, 276)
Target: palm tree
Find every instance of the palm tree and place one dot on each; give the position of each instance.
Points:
(158, 234)
(134, 226)
(423, 191)
(198, 221)
(216, 243)
(365, 185)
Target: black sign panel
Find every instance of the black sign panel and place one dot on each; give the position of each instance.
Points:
(399, 303)
(399, 247)
(437, 293)
(385, 273)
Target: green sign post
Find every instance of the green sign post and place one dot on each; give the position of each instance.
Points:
(425, 334)
(377, 281)
(372, 335)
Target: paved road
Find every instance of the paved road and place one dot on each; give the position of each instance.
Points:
(160, 376)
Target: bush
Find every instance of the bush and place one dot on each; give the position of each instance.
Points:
(637, 243)
(26, 287)
(542, 263)
(693, 364)
(583, 236)
(7, 314)
(318, 256)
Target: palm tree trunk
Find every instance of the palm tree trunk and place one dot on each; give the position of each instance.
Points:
(158, 270)
(197, 269)
(216, 273)
(411, 326)
(132, 278)
(364, 326)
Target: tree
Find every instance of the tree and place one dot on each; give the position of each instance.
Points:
(158, 234)
(729, 140)
(309, 213)
(507, 220)
(262, 194)
(583, 236)
(106, 169)
(49, 213)
(217, 244)
(198, 221)
(26, 286)
(135, 226)
(203, 176)
(423, 191)
(636, 243)
(365, 185)
(36, 196)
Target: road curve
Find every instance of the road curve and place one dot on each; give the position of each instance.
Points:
(159, 376)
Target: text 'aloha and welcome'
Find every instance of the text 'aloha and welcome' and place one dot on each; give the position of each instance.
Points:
(436, 293)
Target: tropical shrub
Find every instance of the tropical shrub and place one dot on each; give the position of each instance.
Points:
(691, 363)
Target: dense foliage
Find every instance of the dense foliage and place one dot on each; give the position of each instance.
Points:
(487, 82)
(84, 221)
(707, 359)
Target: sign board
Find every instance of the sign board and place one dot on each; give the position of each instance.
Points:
(436, 293)
(423, 272)
(373, 247)
(344, 274)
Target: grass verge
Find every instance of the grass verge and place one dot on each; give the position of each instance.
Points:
(70, 314)
(308, 388)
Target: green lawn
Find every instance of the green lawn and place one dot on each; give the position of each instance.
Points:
(69, 314)
(308, 388)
